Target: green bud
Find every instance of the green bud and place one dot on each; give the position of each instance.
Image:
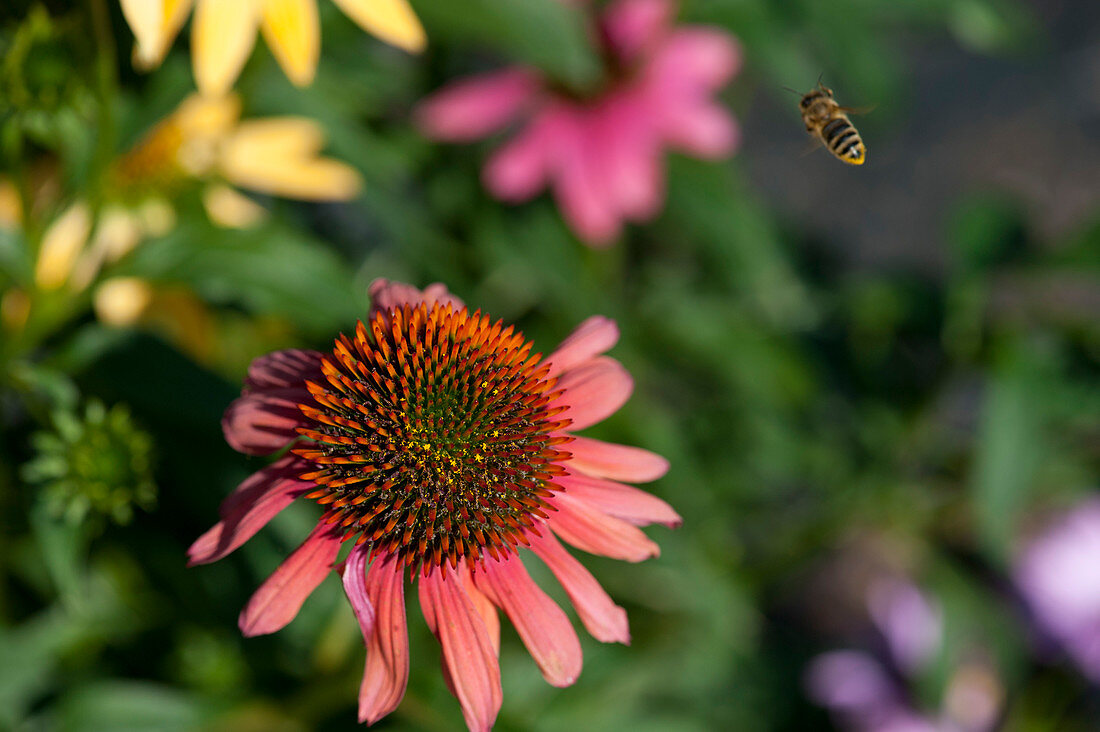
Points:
(98, 464)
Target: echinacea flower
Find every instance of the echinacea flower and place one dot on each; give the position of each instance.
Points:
(601, 155)
(1058, 576)
(438, 446)
(223, 33)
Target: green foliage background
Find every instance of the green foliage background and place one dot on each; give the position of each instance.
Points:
(813, 406)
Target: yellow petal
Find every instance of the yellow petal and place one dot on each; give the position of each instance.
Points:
(199, 116)
(293, 32)
(122, 300)
(155, 24)
(278, 137)
(223, 33)
(391, 20)
(156, 217)
(231, 209)
(278, 156)
(146, 18)
(61, 245)
(116, 232)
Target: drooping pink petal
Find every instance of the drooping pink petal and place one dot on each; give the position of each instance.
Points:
(631, 26)
(617, 462)
(605, 620)
(485, 608)
(387, 668)
(264, 421)
(702, 129)
(354, 576)
(519, 169)
(248, 509)
(281, 595)
(467, 650)
(593, 391)
(630, 164)
(386, 295)
(585, 203)
(597, 533)
(283, 369)
(541, 624)
(594, 336)
(477, 106)
(692, 63)
(626, 502)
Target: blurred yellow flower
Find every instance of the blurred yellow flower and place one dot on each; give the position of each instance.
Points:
(205, 139)
(223, 33)
(62, 244)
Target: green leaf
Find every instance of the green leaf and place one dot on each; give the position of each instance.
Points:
(549, 34)
(1009, 450)
(130, 706)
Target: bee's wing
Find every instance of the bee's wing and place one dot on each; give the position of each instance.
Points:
(812, 146)
(859, 110)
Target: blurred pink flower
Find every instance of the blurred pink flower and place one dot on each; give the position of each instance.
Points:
(439, 445)
(603, 155)
(1059, 577)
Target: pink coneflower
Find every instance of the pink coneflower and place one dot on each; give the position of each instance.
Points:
(601, 155)
(438, 445)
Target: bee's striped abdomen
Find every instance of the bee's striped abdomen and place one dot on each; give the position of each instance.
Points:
(842, 139)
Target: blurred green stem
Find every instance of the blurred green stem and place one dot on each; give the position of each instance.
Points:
(106, 82)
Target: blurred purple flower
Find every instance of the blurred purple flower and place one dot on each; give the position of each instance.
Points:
(1059, 576)
(601, 155)
(869, 694)
(910, 623)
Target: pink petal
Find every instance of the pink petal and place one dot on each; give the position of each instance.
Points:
(633, 25)
(387, 669)
(704, 130)
(468, 652)
(541, 624)
(618, 462)
(594, 336)
(605, 620)
(354, 576)
(283, 369)
(630, 163)
(281, 595)
(485, 608)
(476, 106)
(519, 169)
(263, 422)
(597, 533)
(693, 62)
(622, 501)
(587, 206)
(248, 509)
(386, 295)
(593, 391)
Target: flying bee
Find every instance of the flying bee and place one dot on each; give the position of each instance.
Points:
(828, 122)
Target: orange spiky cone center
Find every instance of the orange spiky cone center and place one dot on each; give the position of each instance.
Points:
(433, 436)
